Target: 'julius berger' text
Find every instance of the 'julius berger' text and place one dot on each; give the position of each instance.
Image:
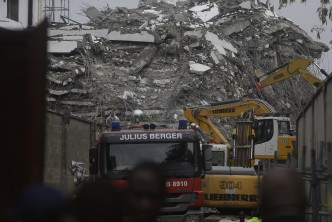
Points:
(151, 136)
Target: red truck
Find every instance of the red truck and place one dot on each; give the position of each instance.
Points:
(178, 153)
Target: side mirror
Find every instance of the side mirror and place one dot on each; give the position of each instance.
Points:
(93, 157)
(207, 157)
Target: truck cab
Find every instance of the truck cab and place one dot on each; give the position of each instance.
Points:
(176, 151)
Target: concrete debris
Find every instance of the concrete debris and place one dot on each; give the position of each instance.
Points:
(219, 44)
(205, 11)
(93, 14)
(246, 5)
(144, 36)
(61, 47)
(169, 54)
(214, 57)
(98, 32)
(196, 33)
(197, 68)
(58, 92)
(235, 27)
(76, 103)
(144, 58)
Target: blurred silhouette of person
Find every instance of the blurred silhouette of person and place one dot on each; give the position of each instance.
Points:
(40, 203)
(145, 193)
(97, 202)
(283, 196)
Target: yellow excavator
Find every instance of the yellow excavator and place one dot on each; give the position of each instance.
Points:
(272, 130)
(260, 133)
(292, 68)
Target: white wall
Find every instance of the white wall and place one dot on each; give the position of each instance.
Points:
(3, 8)
(23, 12)
(37, 12)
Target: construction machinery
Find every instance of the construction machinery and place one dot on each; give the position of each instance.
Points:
(292, 68)
(271, 129)
(260, 133)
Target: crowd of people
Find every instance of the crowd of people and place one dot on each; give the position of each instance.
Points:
(283, 199)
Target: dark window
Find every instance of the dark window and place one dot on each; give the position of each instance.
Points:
(218, 158)
(264, 131)
(283, 127)
(12, 9)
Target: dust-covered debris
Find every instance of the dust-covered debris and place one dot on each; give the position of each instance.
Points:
(166, 55)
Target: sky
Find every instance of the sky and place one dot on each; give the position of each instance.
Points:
(306, 17)
(301, 14)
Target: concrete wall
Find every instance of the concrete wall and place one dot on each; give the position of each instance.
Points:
(314, 132)
(67, 139)
(314, 125)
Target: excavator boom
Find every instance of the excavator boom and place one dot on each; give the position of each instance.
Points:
(294, 67)
(231, 108)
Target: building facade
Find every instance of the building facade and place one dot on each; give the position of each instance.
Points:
(26, 12)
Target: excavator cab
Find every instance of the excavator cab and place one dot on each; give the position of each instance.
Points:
(273, 137)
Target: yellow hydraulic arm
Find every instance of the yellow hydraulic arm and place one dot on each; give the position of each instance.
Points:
(294, 67)
(232, 108)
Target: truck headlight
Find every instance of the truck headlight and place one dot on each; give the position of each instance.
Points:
(192, 218)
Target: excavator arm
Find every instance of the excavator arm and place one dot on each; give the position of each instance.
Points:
(232, 108)
(294, 67)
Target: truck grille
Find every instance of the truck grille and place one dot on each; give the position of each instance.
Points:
(178, 202)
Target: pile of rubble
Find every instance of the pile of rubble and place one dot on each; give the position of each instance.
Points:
(167, 55)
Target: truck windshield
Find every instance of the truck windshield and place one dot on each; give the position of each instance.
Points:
(177, 157)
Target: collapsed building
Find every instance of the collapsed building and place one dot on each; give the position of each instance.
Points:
(166, 55)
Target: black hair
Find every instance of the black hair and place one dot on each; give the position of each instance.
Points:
(151, 167)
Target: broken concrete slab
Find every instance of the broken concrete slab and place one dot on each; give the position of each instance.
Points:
(246, 5)
(214, 57)
(61, 47)
(93, 14)
(97, 32)
(196, 33)
(235, 27)
(67, 38)
(219, 44)
(144, 36)
(76, 103)
(58, 92)
(197, 68)
(270, 14)
(144, 57)
(144, 25)
(80, 91)
(180, 18)
(205, 11)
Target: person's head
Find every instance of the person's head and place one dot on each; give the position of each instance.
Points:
(283, 194)
(145, 192)
(39, 203)
(96, 202)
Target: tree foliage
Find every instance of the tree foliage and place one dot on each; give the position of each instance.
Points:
(324, 13)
